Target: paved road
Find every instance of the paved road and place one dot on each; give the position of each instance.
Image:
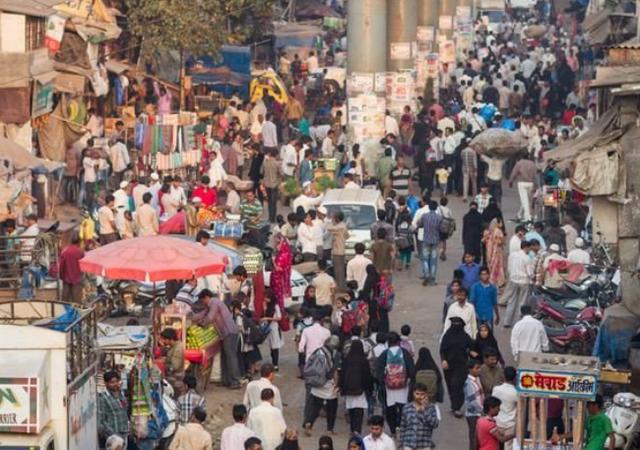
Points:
(418, 306)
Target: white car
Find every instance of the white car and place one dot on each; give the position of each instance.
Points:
(298, 286)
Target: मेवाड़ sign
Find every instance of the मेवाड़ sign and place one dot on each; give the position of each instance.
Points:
(557, 384)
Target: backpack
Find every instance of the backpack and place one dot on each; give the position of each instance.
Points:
(430, 380)
(389, 211)
(386, 296)
(395, 372)
(256, 333)
(447, 226)
(357, 316)
(317, 368)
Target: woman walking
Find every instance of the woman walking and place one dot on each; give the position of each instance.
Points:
(281, 274)
(356, 382)
(493, 240)
(404, 234)
(428, 373)
(454, 352)
(273, 315)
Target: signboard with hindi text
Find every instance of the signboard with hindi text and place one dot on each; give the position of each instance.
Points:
(558, 376)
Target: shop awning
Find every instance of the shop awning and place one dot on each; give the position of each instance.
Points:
(607, 76)
(22, 159)
(116, 66)
(35, 8)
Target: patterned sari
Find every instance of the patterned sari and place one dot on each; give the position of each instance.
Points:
(281, 275)
(494, 241)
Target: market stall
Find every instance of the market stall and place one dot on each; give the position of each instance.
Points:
(546, 377)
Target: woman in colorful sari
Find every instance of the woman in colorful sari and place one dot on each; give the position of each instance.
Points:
(281, 275)
(494, 243)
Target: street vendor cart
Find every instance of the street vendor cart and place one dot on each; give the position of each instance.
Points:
(543, 377)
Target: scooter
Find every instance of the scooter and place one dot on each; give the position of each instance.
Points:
(573, 339)
(625, 420)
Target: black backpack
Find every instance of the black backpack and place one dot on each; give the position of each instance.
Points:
(255, 333)
(389, 211)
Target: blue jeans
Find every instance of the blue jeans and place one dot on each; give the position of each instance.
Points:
(430, 260)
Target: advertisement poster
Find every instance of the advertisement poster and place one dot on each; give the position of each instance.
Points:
(447, 51)
(550, 384)
(361, 82)
(380, 82)
(425, 34)
(463, 11)
(55, 30)
(400, 50)
(445, 23)
(42, 99)
(83, 415)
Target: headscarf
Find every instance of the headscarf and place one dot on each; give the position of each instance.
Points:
(289, 444)
(356, 354)
(481, 344)
(371, 282)
(357, 439)
(455, 342)
(491, 212)
(426, 361)
(325, 441)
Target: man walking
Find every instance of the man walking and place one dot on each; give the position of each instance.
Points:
(234, 436)
(267, 421)
(430, 223)
(528, 335)
(339, 235)
(469, 171)
(524, 175)
(254, 388)
(70, 272)
(419, 419)
(517, 290)
(112, 409)
(271, 178)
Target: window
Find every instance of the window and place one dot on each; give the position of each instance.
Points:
(35, 29)
(358, 217)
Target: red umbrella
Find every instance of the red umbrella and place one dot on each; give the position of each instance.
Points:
(153, 258)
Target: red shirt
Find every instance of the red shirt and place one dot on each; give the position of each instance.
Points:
(568, 116)
(207, 195)
(485, 429)
(69, 264)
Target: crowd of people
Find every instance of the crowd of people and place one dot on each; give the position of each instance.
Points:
(348, 353)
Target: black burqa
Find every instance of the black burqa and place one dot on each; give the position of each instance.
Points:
(426, 367)
(378, 317)
(472, 233)
(454, 349)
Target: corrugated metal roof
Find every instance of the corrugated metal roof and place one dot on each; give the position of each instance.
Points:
(37, 8)
(616, 76)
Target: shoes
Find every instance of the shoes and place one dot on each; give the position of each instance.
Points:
(443, 257)
(307, 429)
(425, 282)
(276, 368)
(458, 414)
(406, 266)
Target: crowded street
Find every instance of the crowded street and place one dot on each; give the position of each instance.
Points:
(301, 224)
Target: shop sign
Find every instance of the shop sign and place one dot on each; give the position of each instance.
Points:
(539, 383)
(42, 99)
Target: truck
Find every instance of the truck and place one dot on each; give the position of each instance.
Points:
(491, 12)
(48, 396)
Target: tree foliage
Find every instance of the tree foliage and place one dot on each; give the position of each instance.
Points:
(198, 26)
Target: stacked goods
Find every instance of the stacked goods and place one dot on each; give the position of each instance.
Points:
(229, 229)
(499, 143)
(200, 337)
(253, 260)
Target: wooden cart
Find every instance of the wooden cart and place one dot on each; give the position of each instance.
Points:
(543, 376)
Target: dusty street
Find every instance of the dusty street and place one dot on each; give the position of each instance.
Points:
(416, 305)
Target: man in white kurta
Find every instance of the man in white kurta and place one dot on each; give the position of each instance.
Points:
(267, 421)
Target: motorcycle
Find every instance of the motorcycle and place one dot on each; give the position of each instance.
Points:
(550, 312)
(624, 414)
(574, 339)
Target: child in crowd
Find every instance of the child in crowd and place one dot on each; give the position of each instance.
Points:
(405, 342)
(442, 175)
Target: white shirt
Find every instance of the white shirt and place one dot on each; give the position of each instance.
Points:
(318, 231)
(119, 156)
(268, 423)
(509, 397)
(233, 437)
(416, 220)
(269, 134)
(312, 339)
(306, 238)
(254, 389)
(467, 312)
(514, 244)
(384, 442)
(579, 256)
(351, 185)
(306, 202)
(26, 245)
(520, 268)
(178, 194)
(357, 269)
(289, 160)
(528, 335)
(137, 194)
(391, 125)
(327, 147)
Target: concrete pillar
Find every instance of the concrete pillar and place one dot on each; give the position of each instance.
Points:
(448, 10)
(402, 23)
(366, 36)
(428, 13)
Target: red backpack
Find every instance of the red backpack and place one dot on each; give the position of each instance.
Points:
(357, 316)
(386, 296)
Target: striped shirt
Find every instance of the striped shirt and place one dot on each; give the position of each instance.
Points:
(400, 178)
(251, 214)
